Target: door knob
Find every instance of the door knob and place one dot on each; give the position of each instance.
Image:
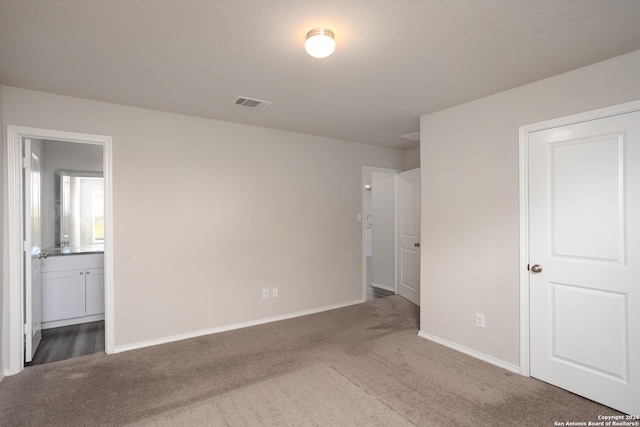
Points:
(42, 255)
(536, 268)
(416, 245)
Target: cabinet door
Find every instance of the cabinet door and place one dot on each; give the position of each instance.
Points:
(95, 290)
(63, 295)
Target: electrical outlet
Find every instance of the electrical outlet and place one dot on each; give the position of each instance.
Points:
(265, 294)
(275, 292)
(480, 320)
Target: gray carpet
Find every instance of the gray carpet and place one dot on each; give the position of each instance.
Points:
(359, 366)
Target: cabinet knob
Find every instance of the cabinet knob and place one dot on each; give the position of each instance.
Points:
(88, 272)
(82, 272)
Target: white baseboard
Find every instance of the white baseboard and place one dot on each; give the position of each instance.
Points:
(173, 338)
(486, 358)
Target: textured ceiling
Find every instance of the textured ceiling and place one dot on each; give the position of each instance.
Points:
(395, 59)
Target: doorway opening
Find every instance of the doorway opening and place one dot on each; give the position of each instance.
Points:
(65, 296)
(391, 233)
(60, 245)
(379, 231)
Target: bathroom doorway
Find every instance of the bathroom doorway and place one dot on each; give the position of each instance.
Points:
(379, 231)
(75, 293)
(68, 303)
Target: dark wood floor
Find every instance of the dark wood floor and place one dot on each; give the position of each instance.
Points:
(69, 341)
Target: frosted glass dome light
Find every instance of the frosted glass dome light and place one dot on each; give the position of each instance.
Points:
(320, 43)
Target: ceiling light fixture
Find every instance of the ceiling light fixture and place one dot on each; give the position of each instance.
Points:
(320, 42)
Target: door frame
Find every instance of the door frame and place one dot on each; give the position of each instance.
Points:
(600, 113)
(14, 261)
(362, 218)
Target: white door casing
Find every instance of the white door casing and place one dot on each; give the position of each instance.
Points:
(33, 277)
(584, 233)
(408, 235)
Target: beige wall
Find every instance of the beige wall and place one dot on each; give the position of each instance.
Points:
(470, 237)
(4, 292)
(207, 213)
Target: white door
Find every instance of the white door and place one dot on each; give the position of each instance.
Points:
(584, 190)
(33, 276)
(408, 235)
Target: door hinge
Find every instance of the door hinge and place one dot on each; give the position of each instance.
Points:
(26, 329)
(26, 162)
(25, 245)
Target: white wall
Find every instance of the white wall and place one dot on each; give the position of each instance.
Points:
(412, 159)
(383, 216)
(67, 156)
(207, 213)
(470, 238)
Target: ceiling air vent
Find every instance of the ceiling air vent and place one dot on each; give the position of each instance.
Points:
(255, 104)
(413, 136)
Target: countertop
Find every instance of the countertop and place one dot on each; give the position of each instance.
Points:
(78, 250)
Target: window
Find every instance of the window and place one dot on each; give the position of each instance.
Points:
(98, 216)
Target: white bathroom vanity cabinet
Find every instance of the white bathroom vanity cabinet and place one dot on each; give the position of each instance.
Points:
(72, 289)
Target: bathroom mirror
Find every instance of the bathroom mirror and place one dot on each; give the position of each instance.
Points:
(80, 209)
